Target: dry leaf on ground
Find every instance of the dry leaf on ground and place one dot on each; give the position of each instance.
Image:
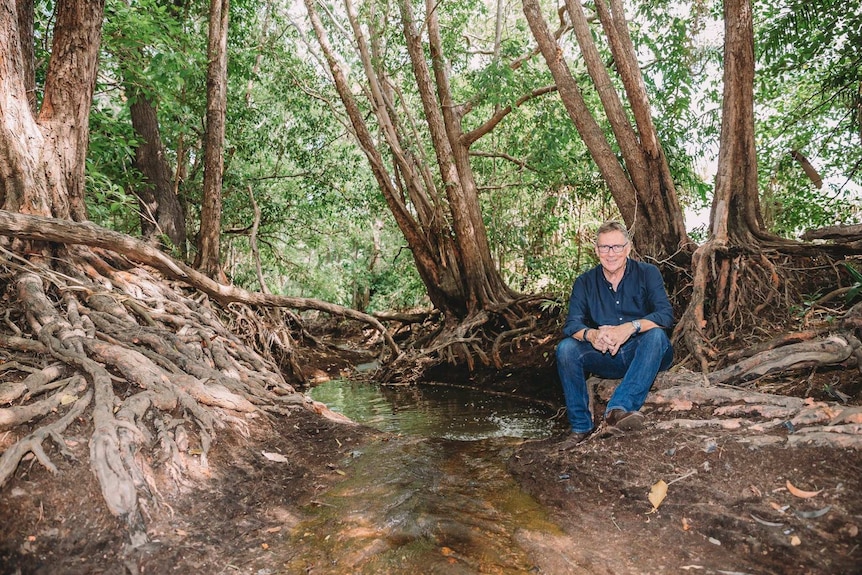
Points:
(658, 493)
(795, 491)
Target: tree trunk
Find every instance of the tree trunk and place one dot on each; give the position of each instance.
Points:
(660, 217)
(642, 186)
(735, 215)
(26, 12)
(208, 258)
(443, 227)
(484, 285)
(42, 160)
(161, 212)
(735, 220)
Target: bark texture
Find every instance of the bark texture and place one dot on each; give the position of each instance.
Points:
(208, 258)
(42, 157)
(161, 211)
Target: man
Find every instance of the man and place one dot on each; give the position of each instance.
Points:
(618, 314)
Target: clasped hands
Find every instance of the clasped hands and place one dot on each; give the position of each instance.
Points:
(609, 338)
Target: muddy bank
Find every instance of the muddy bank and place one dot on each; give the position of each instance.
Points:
(727, 508)
(221, 522)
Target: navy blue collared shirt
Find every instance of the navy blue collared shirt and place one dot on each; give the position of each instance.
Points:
(640, 295)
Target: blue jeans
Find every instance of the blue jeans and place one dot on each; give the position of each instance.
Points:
(637, 363)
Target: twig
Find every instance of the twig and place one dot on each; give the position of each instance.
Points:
(689, 474)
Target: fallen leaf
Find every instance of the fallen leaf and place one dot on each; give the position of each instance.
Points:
(446, 551)
(274, 456)
(795, 541)
(755, 490)
(274, 529)
(812, 514)
(658, 493)
(338, 471)
(685, 524)
(68, 398)
(765, 522)
(265, 545)
(800, 493)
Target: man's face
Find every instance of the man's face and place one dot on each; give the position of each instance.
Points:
(606, 246)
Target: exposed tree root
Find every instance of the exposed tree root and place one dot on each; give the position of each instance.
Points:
(751, 417)
(483, 336)
(155, 371)
(39, 228)
(745, 294)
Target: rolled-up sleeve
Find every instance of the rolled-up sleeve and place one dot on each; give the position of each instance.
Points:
(660, 310)
(578, 309)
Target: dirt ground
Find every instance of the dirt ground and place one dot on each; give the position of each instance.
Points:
(729, 507)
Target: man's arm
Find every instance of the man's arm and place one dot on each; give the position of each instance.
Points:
(576, 319)
(661, 314)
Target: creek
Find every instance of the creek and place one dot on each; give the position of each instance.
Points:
(434, 495)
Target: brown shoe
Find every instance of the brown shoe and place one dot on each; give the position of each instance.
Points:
(573, 440)
(624, 420)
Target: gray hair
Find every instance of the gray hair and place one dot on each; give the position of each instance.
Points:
(612, 226)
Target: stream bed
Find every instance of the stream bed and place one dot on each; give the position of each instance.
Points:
(434, 496)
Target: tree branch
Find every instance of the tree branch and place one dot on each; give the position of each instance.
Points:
(89, 234)
(470, 137)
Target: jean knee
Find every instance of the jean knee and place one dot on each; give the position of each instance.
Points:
(567, 350)
(656, 336)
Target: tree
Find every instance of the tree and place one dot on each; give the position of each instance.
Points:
(83, 320)
(642, 185)
(444, 228)
(43, 157)
(208, 258)
(162, 216)
(161, 211)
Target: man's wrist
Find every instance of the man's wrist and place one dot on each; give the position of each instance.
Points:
(637, 325)
(586, 331)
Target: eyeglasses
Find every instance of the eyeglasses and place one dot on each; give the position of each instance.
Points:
(617, 248)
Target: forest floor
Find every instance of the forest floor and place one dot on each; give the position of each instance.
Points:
(732, 505)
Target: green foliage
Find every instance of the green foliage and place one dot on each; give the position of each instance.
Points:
(109, 171)
(808, 91)
(856, 287)
(288, 142)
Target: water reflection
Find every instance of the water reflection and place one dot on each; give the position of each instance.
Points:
(422, 506)
(437, 411)
(434, 498)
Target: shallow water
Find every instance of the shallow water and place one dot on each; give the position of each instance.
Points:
(440, 411)
(435, 496)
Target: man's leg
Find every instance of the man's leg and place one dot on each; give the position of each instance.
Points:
(574, 359)
(646, 355)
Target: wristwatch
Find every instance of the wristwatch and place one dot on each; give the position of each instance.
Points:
(637, 325)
